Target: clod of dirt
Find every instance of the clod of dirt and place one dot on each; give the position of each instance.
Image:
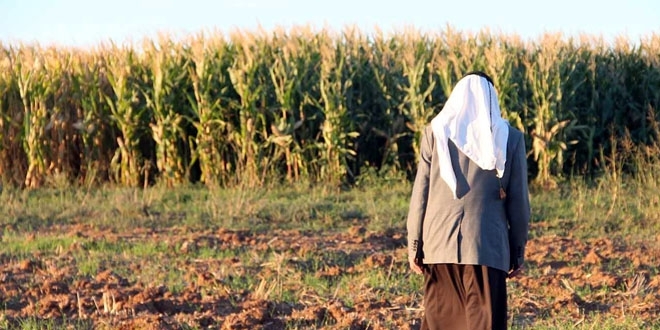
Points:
(379, 260)
(593, 258)
(27, 265)
(356, 231)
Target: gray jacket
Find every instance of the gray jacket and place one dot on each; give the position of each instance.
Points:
(478, 228)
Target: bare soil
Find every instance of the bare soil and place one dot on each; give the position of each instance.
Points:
(565, 276)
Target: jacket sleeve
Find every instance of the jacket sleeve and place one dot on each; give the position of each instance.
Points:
(517, 205)
(419, 195)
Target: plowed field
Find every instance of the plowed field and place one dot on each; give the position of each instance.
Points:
(279, 279)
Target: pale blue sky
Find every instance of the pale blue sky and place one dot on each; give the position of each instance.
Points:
(84, 23)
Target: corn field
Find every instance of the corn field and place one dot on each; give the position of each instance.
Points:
(324, 106)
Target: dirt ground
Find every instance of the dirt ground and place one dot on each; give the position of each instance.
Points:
(565, 276)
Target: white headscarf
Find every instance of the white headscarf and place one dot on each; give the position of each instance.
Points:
(471, 119)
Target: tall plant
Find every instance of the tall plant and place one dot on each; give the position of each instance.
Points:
(210, 59)
(289, 67)
(249, 82)
(167, 75)
(338, 130)
(418, 85)
(29, 69)
(550, 68)
(93, 123)
(503, 57)
(61, 139)
(383, 118)
(12, 156)
(127, 164)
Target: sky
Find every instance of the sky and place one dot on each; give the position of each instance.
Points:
(84, 23)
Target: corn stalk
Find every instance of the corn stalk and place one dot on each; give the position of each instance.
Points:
(93, 116)
(5, 116)
(167, 75)
(126, 165)
(29, 71)
(455, 54)
(289, 65)
(549, 69)
(210, 59)
(417, 86)
(13, 163)
(337, 129)
(387, 122)
(61, 138)
(248, 81)
(6, 82)
(503, 65)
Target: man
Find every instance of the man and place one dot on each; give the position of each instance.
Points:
(469, 210)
